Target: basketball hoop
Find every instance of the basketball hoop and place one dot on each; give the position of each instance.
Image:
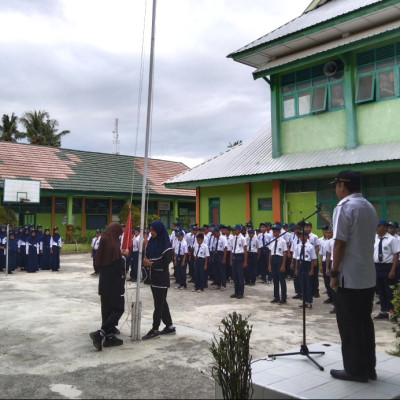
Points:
(23, 200)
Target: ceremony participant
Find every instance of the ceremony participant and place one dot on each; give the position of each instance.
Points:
(180, 254)
(253, 254)
(55, 248)
(201, 255)
(22, 239)
(219, 258)
(277, 264)
(353, 278)
(386, 257)
(293, 265)
(111, 264)
(264, 238)
(228, 235)
(95, 246)
(323, 243)
(12, 250)
(3, 239)
(238, 261)
(191, 240)
(45, 248)
(39, 238)
(134, 255)
(158, 256)
(32, 247)
(314, 240)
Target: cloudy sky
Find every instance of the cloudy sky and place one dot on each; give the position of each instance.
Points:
(80, 60)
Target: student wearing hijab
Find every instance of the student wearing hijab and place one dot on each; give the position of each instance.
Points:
(3, 239)
(32, 252)
(55, 247)
(22, 239)
(12, 250)
(158, 255)
(39, 237)
(45, 249)
(111, 264)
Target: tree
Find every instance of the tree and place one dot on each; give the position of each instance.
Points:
(8, 129)
(42, 130)
(7, 216)
(235, 143)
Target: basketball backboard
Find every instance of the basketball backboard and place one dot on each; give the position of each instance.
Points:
(21, 191)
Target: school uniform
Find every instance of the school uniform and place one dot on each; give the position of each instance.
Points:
(264, 239)
(228, 257)
(253, 251)
(22, 238)
(304, 267)
(190, 240)
(180, 250)
(55, 246)
(322, 251)
(201, 253)
(239, 247)
(12, 254)
(278, 249)
(39, 238)
(296, 278)
(45, 248)
(386, 248)
(3, 239)
(134, 257)
(314, 240)
(32, 248)
(218, 251)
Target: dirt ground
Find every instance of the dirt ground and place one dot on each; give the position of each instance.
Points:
(46, 351)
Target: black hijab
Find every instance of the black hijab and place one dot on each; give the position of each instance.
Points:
(156, 246)
(110, 245)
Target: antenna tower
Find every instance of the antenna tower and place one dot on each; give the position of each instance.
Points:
(116, 137)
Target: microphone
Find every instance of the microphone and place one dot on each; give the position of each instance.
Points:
(319, 206)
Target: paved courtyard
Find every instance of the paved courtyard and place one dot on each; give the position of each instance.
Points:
(46, 351)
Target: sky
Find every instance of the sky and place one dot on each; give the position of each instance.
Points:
(80, 60)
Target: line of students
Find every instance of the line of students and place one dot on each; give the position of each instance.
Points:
(29, 249)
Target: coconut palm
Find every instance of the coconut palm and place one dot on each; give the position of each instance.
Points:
(8, 130)
(41, 130)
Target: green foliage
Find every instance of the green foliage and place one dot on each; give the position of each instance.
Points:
(232, 367)
(135, 215)
(7, 216)
(396, 309)
(185, 221)
(235, 143)
(73, 234)
(8, 130)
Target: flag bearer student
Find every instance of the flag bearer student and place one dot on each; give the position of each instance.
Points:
(45, 248)
(323, 243)
(313, 239)
(12, 250)
(264, 238)
(3, 238)
(55, 248)
(201, 254)
(180, 254)
(32, 251)
(190, 240)
(277, 264)
(95, 246)
(386, 257)
(134, 254)
(305, 266)
(218, 256)
(22, 239)
(253, 254)
(238, 261)
(39, 237)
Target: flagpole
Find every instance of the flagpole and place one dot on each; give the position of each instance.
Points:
(137, 306)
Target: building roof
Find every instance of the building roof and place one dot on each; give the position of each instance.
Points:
(253, 161)
(324, 25)
(87, 172)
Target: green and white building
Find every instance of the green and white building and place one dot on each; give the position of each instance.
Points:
(334, 79)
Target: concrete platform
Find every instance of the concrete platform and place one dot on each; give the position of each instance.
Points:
(296, 377)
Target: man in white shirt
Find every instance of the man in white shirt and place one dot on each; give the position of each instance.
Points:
(253, 253)
(238, 261)
(353, 278)
(386, 257)
(95, 246)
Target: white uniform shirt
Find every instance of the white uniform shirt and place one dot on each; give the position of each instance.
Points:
(322, 248)
(220, 242)
(240, 243)
(55, 243)
(390, 247)
(96, 242)
(190, 239)
(183, 247)
(37, 245)
(135, 243)
(329, 248)
(267, 239)
(281, 246)
(201, 250)
(253, 244)
(354, 222)
(228, 240)
(313, 239)
(309, 251)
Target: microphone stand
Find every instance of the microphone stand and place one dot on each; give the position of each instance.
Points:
(303, 348)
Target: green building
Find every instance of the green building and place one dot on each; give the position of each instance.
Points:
(89, 189)
(334, 79)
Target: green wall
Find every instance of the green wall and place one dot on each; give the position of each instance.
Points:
(232, 203)
(260, 190)
(314, 133)
(378, 122)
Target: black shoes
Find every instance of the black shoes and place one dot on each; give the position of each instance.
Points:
(275, 301)
(345, 376)
(282, 302)
(382, 315)
(168, 331)
(151, 334)
(328, 301)
(307, 305)
(115, 331)
(97, 337)
(297, 297)
(239, 296)
(233, 296)
(112, 340)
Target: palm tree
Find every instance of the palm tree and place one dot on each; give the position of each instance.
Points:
(8, 129)
(41, 130)
(235, 143)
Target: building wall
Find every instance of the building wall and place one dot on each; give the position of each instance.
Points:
(314, 133)
(301, 205)
(260, 190)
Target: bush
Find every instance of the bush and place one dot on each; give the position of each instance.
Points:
(396, 310)
(135, 215)
(73, 234)
(7, 216)
(232, 368)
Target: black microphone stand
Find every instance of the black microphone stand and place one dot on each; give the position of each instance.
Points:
(303, 348)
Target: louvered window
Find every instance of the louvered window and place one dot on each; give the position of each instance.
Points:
(309, 91)
(378, 73)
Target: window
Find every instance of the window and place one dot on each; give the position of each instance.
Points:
(265, 203)
(309, 91)
(378, 73)
(213, 206)
(61, 205)
(96, 221)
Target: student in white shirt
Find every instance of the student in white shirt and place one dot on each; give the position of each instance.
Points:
(201, 254)
(95, 246)
(238, 261)
(314, 240)
(253, 254)
(134, 255)
(218, 255)
(180, 254)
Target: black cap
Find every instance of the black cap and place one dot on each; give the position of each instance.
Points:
(347, 176)
(394, 224)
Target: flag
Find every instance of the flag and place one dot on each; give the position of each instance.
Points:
(127, 239)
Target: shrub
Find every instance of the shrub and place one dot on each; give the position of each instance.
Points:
(7, 216)
(396, 310)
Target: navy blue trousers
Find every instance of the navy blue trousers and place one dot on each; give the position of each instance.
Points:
(278, 277)
(238, 273)
(306, 280)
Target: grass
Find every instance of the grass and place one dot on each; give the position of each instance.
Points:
(76, 248)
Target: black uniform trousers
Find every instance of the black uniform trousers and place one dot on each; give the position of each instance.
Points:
(161, 308)
(112, 308)
(356, 328)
